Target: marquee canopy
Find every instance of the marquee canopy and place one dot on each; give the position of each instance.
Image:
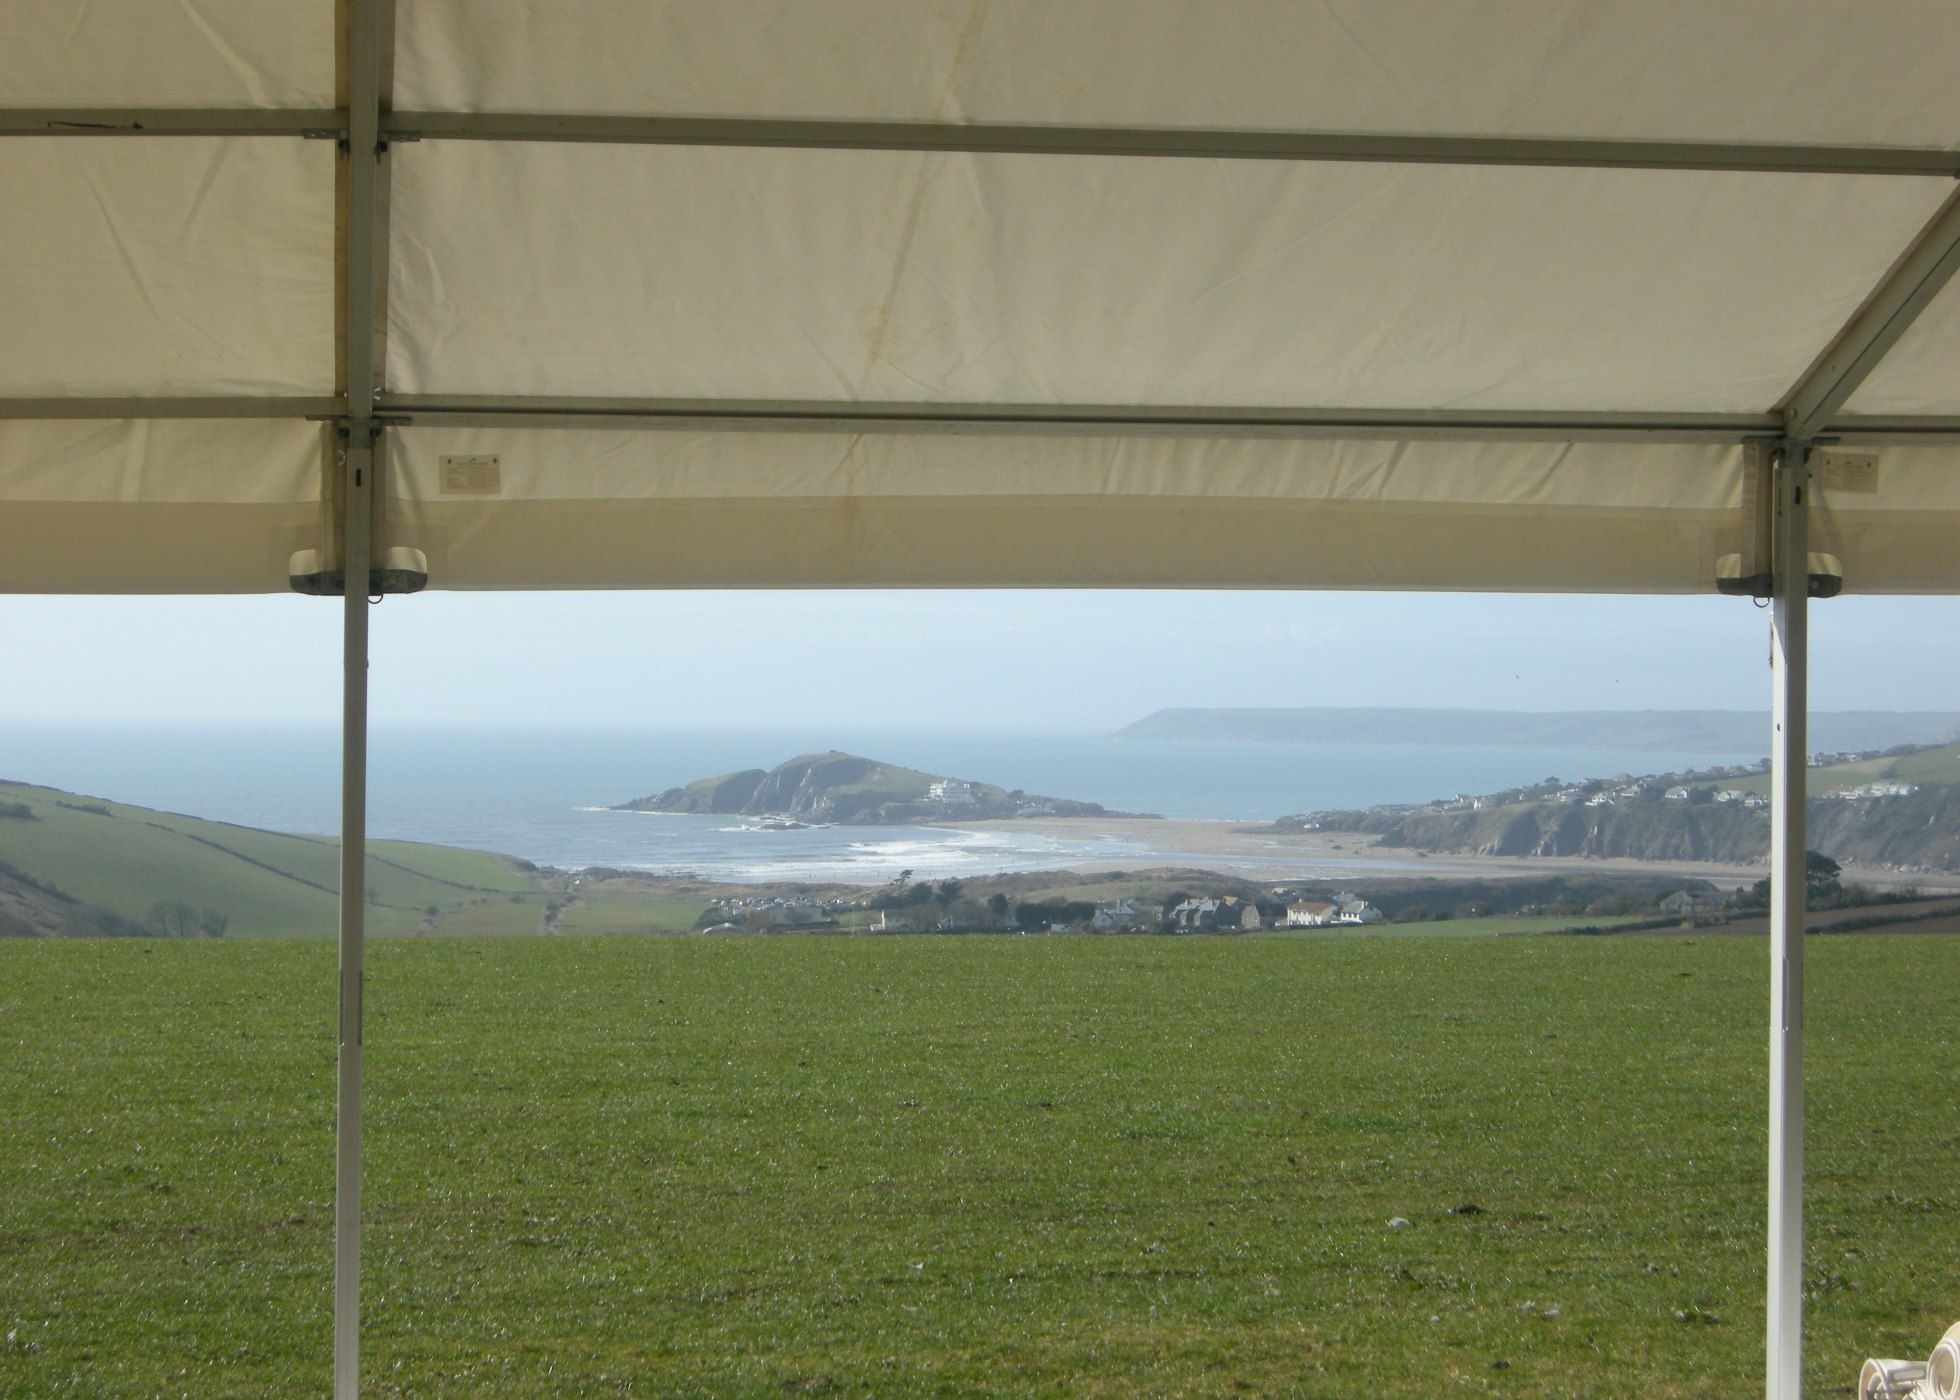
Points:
(1569, 295)
(1033, 292)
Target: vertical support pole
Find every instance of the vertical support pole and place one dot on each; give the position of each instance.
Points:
(365, 65)
(357, 471)
(1789, 762)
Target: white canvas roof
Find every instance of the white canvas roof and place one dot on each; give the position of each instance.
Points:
(1528, 294)
(1408, 294)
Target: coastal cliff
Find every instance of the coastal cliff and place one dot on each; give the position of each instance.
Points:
(1899, 810)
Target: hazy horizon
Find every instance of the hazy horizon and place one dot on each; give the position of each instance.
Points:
(1001, 661)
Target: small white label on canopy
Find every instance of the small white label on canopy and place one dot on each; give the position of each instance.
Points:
(473, 475)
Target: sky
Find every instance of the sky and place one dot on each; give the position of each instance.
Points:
(1002, 661)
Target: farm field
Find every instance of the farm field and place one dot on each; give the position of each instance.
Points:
(124, 859)
(1940, 764)
(643, 914)
(1099, 1166)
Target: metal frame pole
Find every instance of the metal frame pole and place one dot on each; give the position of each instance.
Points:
(357, 472)
(362, 198)
(1789, 654)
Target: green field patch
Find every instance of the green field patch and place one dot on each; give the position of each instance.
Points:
(634, 914)
(1941, 765)
(1934, 765)
(963, 1166)
(493, 915)
(129, 859)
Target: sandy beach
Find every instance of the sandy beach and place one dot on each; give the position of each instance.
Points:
(1241, 848)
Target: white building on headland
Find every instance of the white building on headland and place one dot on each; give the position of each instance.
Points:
(952, 792)
(1875, 790)
(1353, 909)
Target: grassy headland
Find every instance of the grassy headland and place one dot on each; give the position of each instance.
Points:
(842, 787)
(74, 864)
(1898, 811)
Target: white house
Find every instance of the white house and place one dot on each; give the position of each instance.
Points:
(952, 792)
(1306, 913)
(1677, 794)
(888, 922)
(1358, 911)
(1876, 790)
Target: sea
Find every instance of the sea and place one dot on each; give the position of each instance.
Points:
(546, 795)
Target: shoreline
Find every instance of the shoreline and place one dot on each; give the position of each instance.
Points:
(1234, 847)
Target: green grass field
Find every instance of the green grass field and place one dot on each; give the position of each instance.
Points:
(642, 914)
(1093, 1166)
(126, 858)
(1934, 765)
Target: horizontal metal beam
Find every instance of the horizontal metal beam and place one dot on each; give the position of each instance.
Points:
(240, 406)
(1901, 428)
(770, 415)
(1919, 276)
(766, 415)
(994, 138)
(1014, 139)
(171, 121)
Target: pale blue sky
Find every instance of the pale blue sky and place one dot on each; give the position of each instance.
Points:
(985, 660)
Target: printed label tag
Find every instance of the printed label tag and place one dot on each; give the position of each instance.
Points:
(1853, 472)
(477, 475)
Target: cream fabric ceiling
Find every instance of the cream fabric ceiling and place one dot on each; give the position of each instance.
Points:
(204, 266)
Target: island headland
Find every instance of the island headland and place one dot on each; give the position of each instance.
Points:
(843, 788)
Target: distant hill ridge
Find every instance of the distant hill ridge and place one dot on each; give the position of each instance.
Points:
(80, 866)
(844, 787)
(1696, 731)
(1899, 810)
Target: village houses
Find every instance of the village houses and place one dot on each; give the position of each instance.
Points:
(1346, 909)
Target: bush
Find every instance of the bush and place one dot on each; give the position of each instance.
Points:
(1821, 886)
(171, 918)
(1043, 912)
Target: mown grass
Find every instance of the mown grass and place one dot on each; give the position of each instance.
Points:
(1097, 1166)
